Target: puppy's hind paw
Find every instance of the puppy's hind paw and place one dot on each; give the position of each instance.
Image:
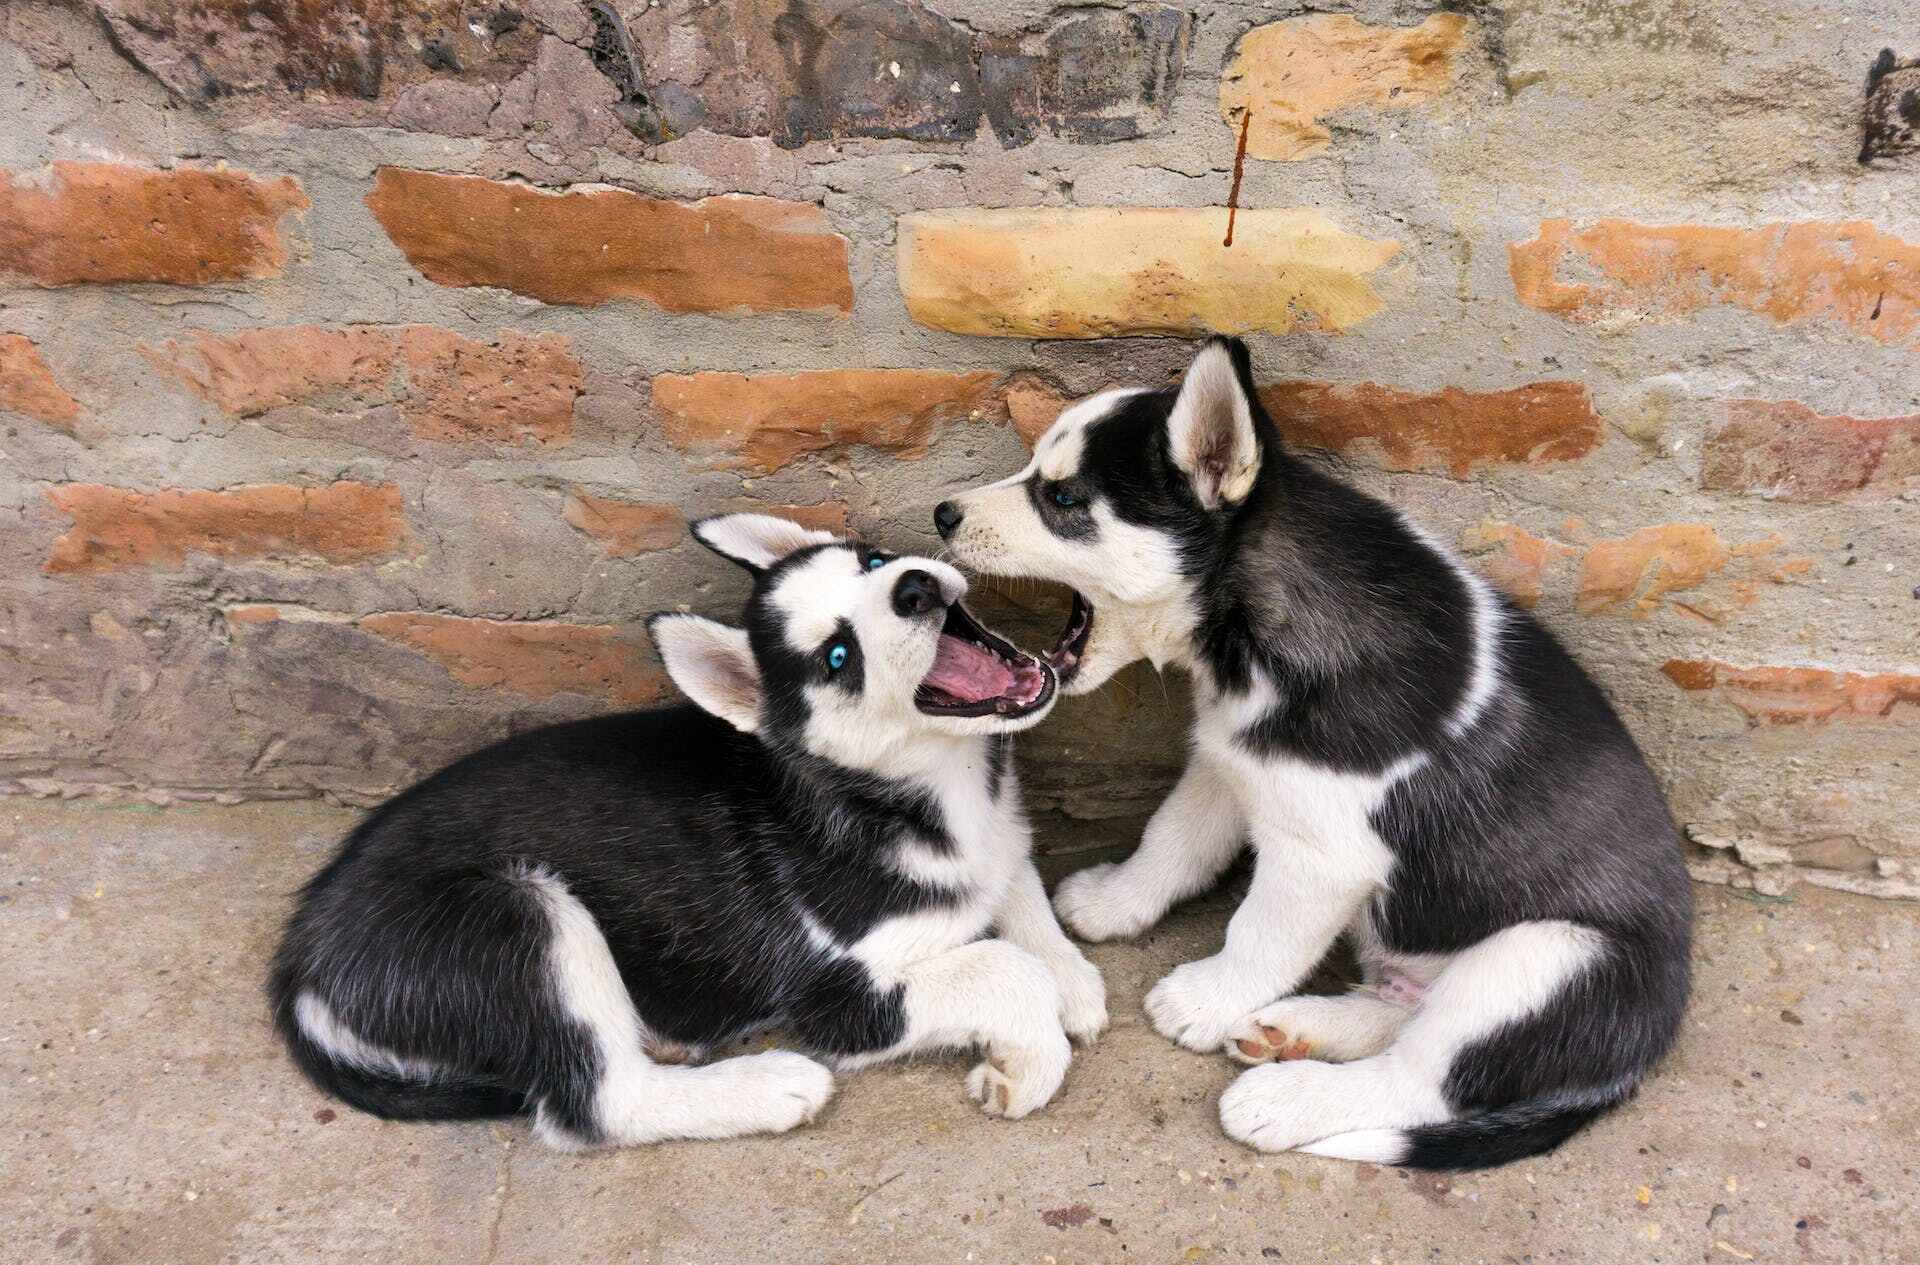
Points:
(1017, 1082)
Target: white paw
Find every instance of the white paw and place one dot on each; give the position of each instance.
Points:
(1198, 1004)
(1017, 1081)
(1328, 1029)
(1097, 904)
(779, 1090)
(1271, 1107)
(1083, 996)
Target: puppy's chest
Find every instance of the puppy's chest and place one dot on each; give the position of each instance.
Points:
(968, 872)
(985, 838)
(1280, 794)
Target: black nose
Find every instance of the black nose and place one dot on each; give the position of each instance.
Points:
(946, 517)
(916, 593)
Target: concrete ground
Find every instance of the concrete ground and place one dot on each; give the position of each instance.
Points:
(146, 1115)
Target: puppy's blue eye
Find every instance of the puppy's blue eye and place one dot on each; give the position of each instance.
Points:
(1065, 499)
(876, 562)
(836, 657)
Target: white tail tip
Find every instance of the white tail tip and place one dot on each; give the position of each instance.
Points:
(1368, 1146)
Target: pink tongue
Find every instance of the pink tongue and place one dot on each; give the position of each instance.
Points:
(968, 672)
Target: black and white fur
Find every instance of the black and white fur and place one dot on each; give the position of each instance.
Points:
(1416, 763)
(565, 923)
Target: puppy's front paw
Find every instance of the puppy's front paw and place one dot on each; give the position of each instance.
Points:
(1083, 997)
(779, 1090)
(1019, 1080)
(1098, 903)
(1197, 1005)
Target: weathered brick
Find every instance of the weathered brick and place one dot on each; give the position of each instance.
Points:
(212, 50)
(27, 385)
(1790, 695)
(535, 658)
(1033, 404)
(1784, 450)
(764, 422)
(1450, 430)
(626, 527)
(123, 527)
(1890, 122)
(1514, 559)
(448, 387)
(724, 254)
(1099, 272)
(1096, 74)
(895, 69)
(1848, 274)
(823, 516)
(1640, 573)
(521, 388)
(1296, 72)
(102, 222)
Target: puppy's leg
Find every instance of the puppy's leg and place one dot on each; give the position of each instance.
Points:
(1194, 835)
(1331, 1029)
(989, 993)
(606, 1090)
(1303, 893)
(1360, 1110)
(1025, 919)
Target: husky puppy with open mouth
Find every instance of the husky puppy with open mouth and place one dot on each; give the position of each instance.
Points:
(1416, 762)
(566, 923)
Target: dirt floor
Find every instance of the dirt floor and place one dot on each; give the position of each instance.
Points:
(147, 1115)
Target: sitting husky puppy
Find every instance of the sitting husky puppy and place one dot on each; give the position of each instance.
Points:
(820, 842)
(1415, 761)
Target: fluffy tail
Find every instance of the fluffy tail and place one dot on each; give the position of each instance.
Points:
(1488, 1140)
(391, 1093)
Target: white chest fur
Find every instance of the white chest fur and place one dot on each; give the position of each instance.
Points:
(988, 840)
(1289, 802)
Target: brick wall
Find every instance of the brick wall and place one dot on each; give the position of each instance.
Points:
(361, 362)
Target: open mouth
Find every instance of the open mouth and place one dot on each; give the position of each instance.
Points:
(977, 673)
(1067, 652)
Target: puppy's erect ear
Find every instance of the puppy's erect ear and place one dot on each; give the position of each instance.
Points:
(756, 541)
(713, 665)
(1210, 430)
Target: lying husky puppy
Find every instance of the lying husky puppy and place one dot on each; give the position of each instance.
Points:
(821, 842)
(1416, 762)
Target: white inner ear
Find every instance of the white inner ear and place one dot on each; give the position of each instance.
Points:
(758, 540)
(1211, 430)
(713, 665)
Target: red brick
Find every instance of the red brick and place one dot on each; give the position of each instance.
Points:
(1450, 430)
(1848, 274)
(27, 386)
(1787, 695)
(1639, 574)
(122, 527)
(522, 387)
(733, 421)
(1295, 72)
(99, 222)
(626, 527)
(537, 659)
(724, 254)
(1033, 404)
(1514, 559)
(1784, 450)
